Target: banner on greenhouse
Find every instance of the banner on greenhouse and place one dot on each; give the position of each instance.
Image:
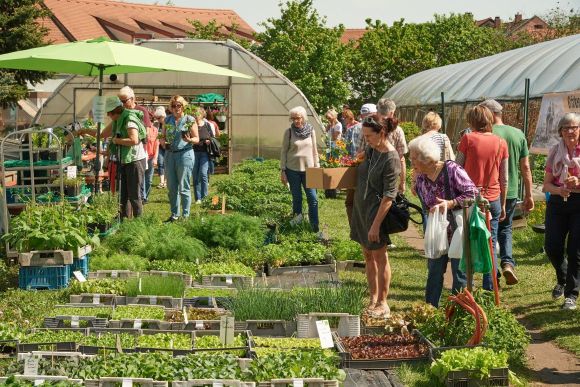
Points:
(554, 106)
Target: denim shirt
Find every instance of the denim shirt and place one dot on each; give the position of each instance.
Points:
(173, 132)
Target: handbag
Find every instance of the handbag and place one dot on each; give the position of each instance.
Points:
(397, 219)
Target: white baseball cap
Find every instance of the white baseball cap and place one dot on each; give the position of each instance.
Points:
(368, 108)
(111, 103)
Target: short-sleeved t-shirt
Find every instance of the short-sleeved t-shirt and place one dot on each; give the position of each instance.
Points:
(482, 160)
(517, 149)
(335, 130)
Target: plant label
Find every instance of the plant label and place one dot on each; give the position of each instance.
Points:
(118, 344)
(323, 328)
(127, 383)
(226, 330)
(298, 383)
(229, 280)
(153, 300)
(79, 276)
(217, 384)
(114, 274)
(137, 324)
(96, 299)
(171, 343)
(71, 172)
(199, 325)
(164, 274)
(31, 365)
(139, 284)
(185, 317)
(38, 382)
(74, 321)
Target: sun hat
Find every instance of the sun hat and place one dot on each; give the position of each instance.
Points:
(111, 103)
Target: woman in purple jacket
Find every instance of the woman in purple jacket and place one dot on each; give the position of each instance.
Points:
(440, 183)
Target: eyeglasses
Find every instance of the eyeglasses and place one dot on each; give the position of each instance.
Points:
(176, 105)
(295, 118)
(573, 127)
(125, 100)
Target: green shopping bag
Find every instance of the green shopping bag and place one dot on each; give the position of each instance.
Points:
(479, 244)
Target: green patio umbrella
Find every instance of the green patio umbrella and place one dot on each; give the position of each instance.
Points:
(100, 56)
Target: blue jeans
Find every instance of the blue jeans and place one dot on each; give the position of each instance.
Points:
(495, 209)
(504, 233)
(200, 174)
(148, 178)
(297, 181)
(436, 269)
(161, 162)
(178, 171)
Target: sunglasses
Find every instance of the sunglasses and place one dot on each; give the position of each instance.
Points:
(176, 105)
(371, 121)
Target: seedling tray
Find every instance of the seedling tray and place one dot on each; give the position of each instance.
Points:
(166, 301)
(196, 325)
(40, 379)
(347, 360)
(187, 278)
(200, 302)
(68, 346)
(8, 348)
(466, 378)
(310, 382)
(59, 321)
(103, 299)
(324, 268)
(212, 382)
(268, 328)
(228, 280)
(121, 274)
(46, 258)
(127, 323)
(292, 280)
(114, 381)
(351, 265)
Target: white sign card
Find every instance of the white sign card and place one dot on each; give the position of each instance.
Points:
(71, 171)
(185, 318)
(137, 324)
(127, 383)
(229, 280)
(81, 278)
(31, 365)
(114, 274)
(226, 330)
(99, 112)
(96, 299)
(74, 321)
(298, 383)
(323, 328)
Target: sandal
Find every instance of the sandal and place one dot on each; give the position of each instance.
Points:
(381, 311)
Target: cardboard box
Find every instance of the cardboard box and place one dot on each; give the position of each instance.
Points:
(331, 178)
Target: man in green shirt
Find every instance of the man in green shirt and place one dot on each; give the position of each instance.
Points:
(518, 163)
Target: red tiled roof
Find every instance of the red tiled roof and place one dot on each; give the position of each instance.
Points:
(86, 19)
(352, 34)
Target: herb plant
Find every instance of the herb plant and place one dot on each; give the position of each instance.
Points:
(234, 232)
(156, 286)
(186, 267)
(99, 286)
(225, 268)
(344, 250)
(118, 261)
(138, 312)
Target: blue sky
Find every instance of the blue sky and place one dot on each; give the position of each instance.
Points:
(353, 13)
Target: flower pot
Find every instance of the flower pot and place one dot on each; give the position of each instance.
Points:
(221, 117)
(44, 155)
(72, 191)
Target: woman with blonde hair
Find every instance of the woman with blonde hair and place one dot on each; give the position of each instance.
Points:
(179, 135)
(334, 127)
(485, 159)
(431, 125)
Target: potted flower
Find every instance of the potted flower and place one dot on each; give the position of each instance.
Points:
(102, 212)
(72, 186)
(337, 168)
(221, 115)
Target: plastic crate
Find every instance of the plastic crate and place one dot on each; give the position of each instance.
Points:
(348, 325)
(44, 277)
(80, 264)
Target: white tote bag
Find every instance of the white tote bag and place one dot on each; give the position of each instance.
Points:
(436, 233)
(456, 245)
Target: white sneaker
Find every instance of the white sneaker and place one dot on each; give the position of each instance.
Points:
(296, 220)
(391, 246)
(198, 202)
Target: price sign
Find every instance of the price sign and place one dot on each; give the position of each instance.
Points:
(298, 383)
(38, 382)
(153, 300)
(139, 284)
(217, 384)
(71, 171)
(229, 280)
(96, 299)
(80, 277)
(74, 321)
(185, 318)
(127, 383)
(31, 365)
(323, 328)
(99, 112)
(137, 324)
(114, 274)
(199, 324)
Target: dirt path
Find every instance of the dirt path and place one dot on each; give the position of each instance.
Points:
(548, 364)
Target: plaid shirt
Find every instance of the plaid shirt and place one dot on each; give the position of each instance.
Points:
(396, 137)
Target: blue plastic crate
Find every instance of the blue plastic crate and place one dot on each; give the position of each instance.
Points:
(81, 264)
(43, 277)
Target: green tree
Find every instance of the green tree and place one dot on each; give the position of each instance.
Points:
(20, 30)
(306, 51)
(214, 31)
(386, 55)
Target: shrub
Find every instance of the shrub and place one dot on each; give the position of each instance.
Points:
(411, 130)
(235, 232)
(118, 261)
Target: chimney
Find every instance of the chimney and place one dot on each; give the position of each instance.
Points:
(518, 18)
(496, 22)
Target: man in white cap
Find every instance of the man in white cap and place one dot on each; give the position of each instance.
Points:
(357, 138)
(517, 163)
(127, 133)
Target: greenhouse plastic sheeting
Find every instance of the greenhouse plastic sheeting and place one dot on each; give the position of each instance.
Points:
(257, 108)
(551, 66)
